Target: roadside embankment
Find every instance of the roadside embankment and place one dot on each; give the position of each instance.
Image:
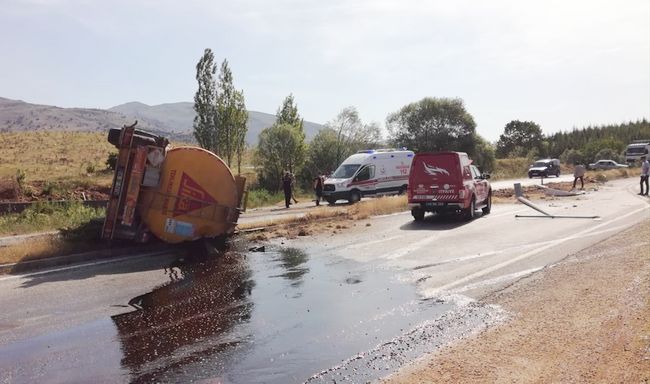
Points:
(583, 320)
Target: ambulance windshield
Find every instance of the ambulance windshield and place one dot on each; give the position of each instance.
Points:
(345, 171)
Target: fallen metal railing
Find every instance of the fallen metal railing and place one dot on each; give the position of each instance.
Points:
(545, 215)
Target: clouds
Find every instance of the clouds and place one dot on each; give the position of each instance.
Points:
(506, 59)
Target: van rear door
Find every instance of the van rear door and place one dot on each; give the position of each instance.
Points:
(435, 177)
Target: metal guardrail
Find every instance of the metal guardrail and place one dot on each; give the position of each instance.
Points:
(9, 208)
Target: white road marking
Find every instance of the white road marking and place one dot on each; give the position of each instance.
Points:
(496, 280)
(483, 272)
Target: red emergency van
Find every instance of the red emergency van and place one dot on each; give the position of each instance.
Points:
(447, 182)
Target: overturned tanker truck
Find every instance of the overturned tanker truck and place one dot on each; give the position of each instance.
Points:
(176, 194)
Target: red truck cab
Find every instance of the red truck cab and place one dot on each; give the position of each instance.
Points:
(447, 182)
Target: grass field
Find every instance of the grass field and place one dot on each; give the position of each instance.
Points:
(53, 156)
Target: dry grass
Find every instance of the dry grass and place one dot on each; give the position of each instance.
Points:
(44, 155)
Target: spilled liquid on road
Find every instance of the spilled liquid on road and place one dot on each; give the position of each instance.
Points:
(275, 317)
(278, 316)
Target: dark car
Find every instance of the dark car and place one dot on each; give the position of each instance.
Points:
(545, 168)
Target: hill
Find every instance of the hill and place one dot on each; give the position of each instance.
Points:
(173, 120)
(178, 117)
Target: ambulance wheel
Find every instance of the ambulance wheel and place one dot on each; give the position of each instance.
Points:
(418, 214)
(355, 196)
(331, 201)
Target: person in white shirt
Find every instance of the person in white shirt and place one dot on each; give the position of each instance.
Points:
(645, 172)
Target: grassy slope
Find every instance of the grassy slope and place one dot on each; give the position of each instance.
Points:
(54, 156)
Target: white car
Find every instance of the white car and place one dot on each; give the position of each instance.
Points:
(607, 164)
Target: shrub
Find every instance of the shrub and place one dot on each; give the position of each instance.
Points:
(111, 161)
(20, 178)
(90, 169)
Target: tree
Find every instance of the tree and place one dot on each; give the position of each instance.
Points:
(205, 131)
(518, 136)
(288, 114)
(281, 148)
(433, 124)
(240, 120)
(484, 154)
(231, 116)
(322, 153)
(351, 134)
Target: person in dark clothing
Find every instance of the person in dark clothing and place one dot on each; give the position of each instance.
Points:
(286, 185)
(318, 187)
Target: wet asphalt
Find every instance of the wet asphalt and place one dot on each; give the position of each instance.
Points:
(239, 316)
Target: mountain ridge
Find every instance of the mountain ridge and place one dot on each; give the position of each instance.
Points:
(173, 120)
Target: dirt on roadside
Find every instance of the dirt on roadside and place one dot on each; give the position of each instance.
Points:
(583, 320)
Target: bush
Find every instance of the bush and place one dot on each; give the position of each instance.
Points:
(262, 197)
(90, 169)
(111, 161)
(20, 178)
(572, 156)
(511, 168)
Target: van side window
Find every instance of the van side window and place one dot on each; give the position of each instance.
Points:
(366, 173)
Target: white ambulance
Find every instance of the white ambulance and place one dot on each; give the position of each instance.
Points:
(369, 172)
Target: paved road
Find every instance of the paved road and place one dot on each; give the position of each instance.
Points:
(348, 307)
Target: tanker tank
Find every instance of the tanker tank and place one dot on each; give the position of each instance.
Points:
(175, 194)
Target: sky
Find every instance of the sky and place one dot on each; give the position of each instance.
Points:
(562, 64)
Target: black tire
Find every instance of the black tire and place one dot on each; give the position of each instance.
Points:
(418, 214)
(331, 200)
(355, 197)
(470, 212)
(488, 207)
(402, 190)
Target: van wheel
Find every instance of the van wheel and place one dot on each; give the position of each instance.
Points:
(355, 196)
(488, 207)
(402, 190)
(331, 201)
(418, 214)
(471, 211)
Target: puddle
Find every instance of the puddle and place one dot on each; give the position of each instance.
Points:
(278, 316)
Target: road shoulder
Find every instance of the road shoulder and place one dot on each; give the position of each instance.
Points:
(585, 319)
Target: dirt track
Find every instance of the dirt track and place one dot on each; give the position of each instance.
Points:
(584, 320)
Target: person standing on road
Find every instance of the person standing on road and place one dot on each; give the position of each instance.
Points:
(645, 172)
(286, 186)
(579, 173)
(318, 187)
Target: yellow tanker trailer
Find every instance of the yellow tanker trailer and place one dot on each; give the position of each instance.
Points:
(176, 194)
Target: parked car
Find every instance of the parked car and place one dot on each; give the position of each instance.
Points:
(607, 164)
(447, 182)
(544, 168)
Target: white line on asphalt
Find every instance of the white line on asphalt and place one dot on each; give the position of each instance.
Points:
(496, 280)
(78, 266)
(483, 272)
